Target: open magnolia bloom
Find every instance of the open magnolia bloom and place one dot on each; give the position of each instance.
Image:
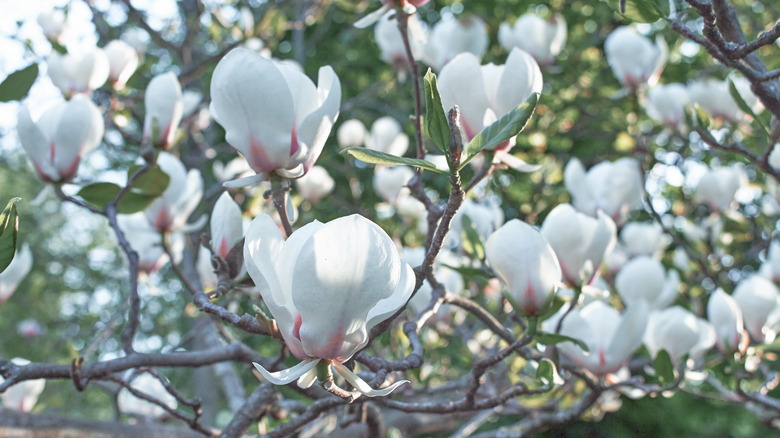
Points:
(326, 286)
(272, 113)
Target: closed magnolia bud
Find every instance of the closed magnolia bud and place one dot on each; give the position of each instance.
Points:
(758, 298)
(23, 395)
(667, 103)
(351, 133)
(163, 103)
(581, 242)
(725, 315)
(123, 60)
(452, 36)
(387, 136)
(15, 272)
(527, 264)
(634, 59)
(227, 228)
(56, 142)
(612, 187)
(718, 186)
(543, 39)
(679, 332)
(644, 279)
(388, 181)
(316, 184)
(79, 72)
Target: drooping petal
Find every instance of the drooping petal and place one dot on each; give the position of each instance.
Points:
(361, 385)
(289, 375)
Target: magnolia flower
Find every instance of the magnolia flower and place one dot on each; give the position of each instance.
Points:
(643, 238)
(123, 60)
(65, 132)
(714, 97)
(613, 187)
(170, 211)
(611, 337)
(580, 242)
(492, 91)
(351, 133)
(387, 136)
(644, 279)
(327, 286)
(315, 185)
(718, 186)
(391, 44)
(758, 298)
(527, 264)
(279, 123)
(725, 315)
(147, 384)
(452, 36)
(389, 181)
(679, 332)
(15, 272)
(78, 73)
(163, 103)
(543, 39)
(22, 396)
(54, 23)
(634, 59)
(667, 103)
(227, 227)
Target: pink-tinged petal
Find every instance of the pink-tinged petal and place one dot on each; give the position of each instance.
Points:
(361, 385)
(255, 114)
(472, 99)
(289, 375)
(314, 129)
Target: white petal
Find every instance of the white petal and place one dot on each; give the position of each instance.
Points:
(289, 375)
(361, 385)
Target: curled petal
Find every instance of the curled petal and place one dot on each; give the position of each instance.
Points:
(361, 384)
(290, 374)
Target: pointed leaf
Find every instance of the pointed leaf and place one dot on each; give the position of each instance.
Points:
(9, 228)
(375, 157)
(18, 83)
(502, 129)
(745, 107)
(664, 369)
(435, 119)
(555, 338)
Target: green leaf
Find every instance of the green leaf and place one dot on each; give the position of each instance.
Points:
(555, 338)
(152, 182)
(470, 240)
(502, 129)
(9, 228)
(435, 119)
(664, 369)
(375, 157)
(745, 107)
(18, 83)
(546, 372)
(643, 11)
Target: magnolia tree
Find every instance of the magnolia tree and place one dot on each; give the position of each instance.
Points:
(414, 217)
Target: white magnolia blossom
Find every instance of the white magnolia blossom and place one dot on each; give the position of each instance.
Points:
(389, 181)
(714, 97)
(55, 24)
(679, 332)
(718, 186)
(164, 108)
(543, 39)
(612, 187)
(23, 395)
(759, 298)
(351, 133)
(391, 45)
(527, 264)
(78, 72)
(725, 315)
(170, 211)
(15, 272)
(611, 337)
(316, 184)
(581, 242)
(493, 90)
(451, 36)
(387, 136)
(280, 123)
(644, 238)
(122, 60)
(327, 286)
(62, 135)
(149, 385)
(644, 279)
(634, 59)
(667, 104)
